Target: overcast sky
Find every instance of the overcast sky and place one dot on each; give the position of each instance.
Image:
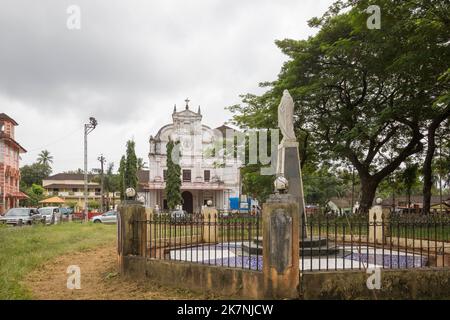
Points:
(130, 62)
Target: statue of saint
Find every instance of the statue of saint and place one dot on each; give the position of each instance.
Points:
(286, 117)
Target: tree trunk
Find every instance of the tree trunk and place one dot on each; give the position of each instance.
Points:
(428, 172)
(393, 200)
(368, 190)
(427, 169)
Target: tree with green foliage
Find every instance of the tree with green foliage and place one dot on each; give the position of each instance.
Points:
(438, 115)
(123, 164)
(410, 179)
(173, 181)
(391, 186)
(111, 182)
(360, 93)
(254, 184)
(45, 158)
(325, 183)
(93, 204)
(33, 174)
(35, 194)
(131, 166)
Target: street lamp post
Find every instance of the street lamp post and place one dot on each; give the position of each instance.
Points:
(88, 128)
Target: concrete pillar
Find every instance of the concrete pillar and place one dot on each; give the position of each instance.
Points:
(132, 236)
(281, 246)
(378, 224)
(209, 215)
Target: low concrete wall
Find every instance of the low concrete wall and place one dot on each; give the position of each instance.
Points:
(219, 281)
(430, 283)
(426, 283)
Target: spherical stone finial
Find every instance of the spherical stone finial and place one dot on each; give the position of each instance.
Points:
(379, 201)
(281, 184)
(209, 203)
(130, 193)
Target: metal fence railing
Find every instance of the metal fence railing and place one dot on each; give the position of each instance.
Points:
(215, 239)
(327, 242)
(394, 241)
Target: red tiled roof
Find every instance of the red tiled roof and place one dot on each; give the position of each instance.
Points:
(18, 195)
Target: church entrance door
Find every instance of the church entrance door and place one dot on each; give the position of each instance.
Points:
(188, 203)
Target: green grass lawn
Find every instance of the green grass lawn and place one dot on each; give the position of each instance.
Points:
(25, 249)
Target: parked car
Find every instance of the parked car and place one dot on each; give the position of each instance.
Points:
(107, 217)
(52, 214)
(66, 211)
(16, 216)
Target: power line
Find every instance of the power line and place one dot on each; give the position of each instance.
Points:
(56, 141)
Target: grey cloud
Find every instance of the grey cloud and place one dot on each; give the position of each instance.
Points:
(132, 60)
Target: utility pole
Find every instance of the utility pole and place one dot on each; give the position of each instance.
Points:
(102, 176)
(88, 128)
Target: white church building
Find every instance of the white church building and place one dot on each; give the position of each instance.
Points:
(204, 177)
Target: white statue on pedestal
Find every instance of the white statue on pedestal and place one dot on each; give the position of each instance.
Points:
(286, 117)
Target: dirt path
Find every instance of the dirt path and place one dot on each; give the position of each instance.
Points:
(99, 280)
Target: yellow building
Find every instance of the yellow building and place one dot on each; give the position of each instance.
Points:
(70, 187)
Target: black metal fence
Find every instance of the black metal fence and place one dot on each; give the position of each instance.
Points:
(214, 239)
(391, 241)
(328, 242)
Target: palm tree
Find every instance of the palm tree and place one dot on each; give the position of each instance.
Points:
(45, 158)
(141, 164)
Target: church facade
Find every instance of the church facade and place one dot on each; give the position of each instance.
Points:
(204, 175)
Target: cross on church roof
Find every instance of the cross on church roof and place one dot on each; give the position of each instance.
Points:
(187, 103)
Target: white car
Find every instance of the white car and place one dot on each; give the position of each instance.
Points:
(107, 217)
(52, 214)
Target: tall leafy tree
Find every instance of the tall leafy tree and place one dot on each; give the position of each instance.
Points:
(360, 93)
(122, 166)
(438, 115)
(173, 182)
(131, 166)
(33, 174)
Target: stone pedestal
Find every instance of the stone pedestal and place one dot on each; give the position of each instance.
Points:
(281, 247)
(209, 224)
(132, 236)
(288, 165)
